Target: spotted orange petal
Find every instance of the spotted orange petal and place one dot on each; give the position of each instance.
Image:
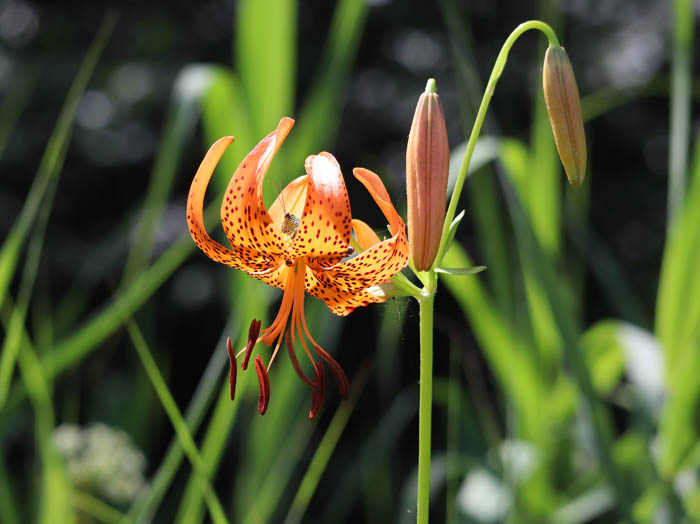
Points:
(341, 297)
(291, 200)
(249, 228)
(342, 286)
(364, 234)
(324, 230)
(195, 205)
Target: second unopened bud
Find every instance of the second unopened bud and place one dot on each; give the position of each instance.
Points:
(564, 108)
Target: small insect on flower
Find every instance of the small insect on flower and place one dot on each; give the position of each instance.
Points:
(290, 224)
(302, 248)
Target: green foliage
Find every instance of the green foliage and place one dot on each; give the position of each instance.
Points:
(570, 420)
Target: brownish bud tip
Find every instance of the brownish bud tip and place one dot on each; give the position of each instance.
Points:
(564, 108)
(264, 380)
(234, 367)
(427, 169)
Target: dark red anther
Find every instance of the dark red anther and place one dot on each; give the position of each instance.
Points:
(253, 333)
(295, 362)
(338, 374)
(234, 367)
(317, 394)
(264, 399)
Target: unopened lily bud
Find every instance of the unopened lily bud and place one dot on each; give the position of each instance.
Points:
(564, 108)
(427, 168)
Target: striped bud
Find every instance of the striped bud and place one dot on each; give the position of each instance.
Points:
(427, 167)
(564, 108)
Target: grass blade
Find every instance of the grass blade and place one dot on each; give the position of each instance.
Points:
(15, 329)
(54, 499)
(13, 104)
(78, 346)
(369, 458)
(225, 412)
(545, 279)
(144, 508)
(95, 508)
(9, 512)
(273, 488)
(508, 356)
(323, 453)
(179, 126)
(319, 120)
(678, 327)
(51, 160)
(265, 46)
(225, 113)
(179, 424)
(678, 303)
(680, 105)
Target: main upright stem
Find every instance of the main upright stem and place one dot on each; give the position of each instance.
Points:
(425, 407)
(426, 297)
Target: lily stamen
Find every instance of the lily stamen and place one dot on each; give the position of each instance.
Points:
(234, 367)
(296, 366)
(317, 395)
(253, 332)
(264, 380)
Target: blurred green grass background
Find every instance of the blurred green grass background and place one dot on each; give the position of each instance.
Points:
(113, 373)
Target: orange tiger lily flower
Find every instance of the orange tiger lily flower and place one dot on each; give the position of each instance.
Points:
(301, 245)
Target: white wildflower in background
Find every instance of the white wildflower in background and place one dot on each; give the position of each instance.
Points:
(102, 459)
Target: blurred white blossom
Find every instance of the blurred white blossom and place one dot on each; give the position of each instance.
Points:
(102, 460)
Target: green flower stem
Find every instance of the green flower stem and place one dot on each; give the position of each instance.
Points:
(498, 67)
(425, 405)
(426, 299)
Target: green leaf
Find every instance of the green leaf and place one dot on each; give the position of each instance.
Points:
(200, 471)
(605, 356)
(183, 115)
(678, 303)
(487, 150)
(52, 159)
(144, 508)
(451, 232)
(678, 328)
(39, 203)
(515, 157)
(320, 119)
(506, 352)
(224, 112)
(266, 51)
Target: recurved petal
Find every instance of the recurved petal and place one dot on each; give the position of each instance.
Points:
(249, 228)
(195, 205)
(364, 234)
(341, 296)
(376, 188)
(291, 200)
(325, 224)
(346, 283)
